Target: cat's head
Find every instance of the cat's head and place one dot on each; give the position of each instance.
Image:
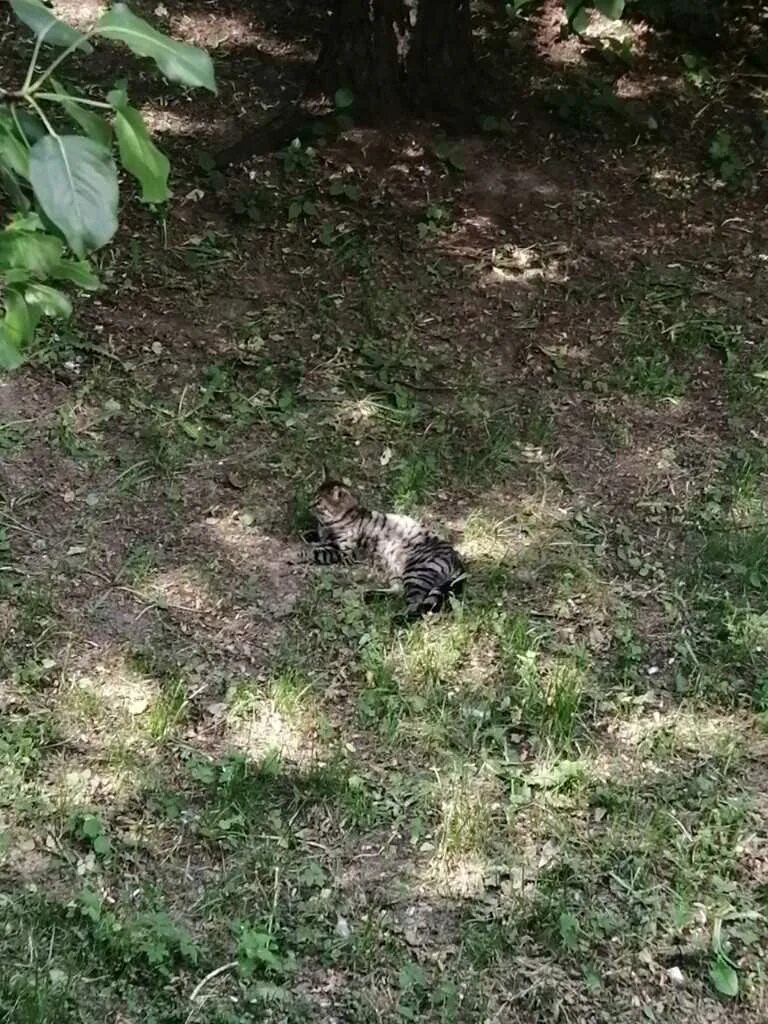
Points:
(332, 499)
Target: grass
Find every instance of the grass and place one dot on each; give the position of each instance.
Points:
(219, 770)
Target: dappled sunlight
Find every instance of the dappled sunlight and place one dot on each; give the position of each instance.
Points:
(488, 538)
(108, 697)
(226, 31)
(221, 768)
(182, 124)
(80, 13)
(511, 264)
(678, 731)
(269, 717)
(567, 51)
(468, 805)
(182, 588)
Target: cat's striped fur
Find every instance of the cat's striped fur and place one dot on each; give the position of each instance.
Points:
(427, 567)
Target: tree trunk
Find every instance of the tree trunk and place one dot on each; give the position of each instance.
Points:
(396, 57)
(400, 56)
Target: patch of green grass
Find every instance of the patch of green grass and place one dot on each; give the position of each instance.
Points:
(168, 711)
(667, 335)
(24, 745)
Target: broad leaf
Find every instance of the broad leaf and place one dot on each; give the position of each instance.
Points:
(44, 23)
(610, 8)
(10, 356)
(16, 276)
(30, 250)
(92, 826)
(724, 978)
(580, 21)
(11, 186)
(75, 181)
(178, 61)
(95, 127)
(79, 273)
(51, 301)
(16, 328)
(32, 126)
(140, 156)
(13, 152)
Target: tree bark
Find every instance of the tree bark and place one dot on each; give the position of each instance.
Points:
(399, 56)
(396, 57)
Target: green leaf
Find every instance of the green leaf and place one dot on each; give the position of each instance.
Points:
(411, 976)
(50, 300)
(10, 356)
(92, 826)
(569, 930)
(78, 272)
(29, 250)
(91, 904)
(95, 127)
(75, 181)
(101, 845)
(11, 186)
(17, 326)
(343, 98)
(118, 97)
(610, 8)
(43, 22)
(140, 156)
(14, 153)
(724, 978)
(178, 61)
(31, 127)
(580, 21)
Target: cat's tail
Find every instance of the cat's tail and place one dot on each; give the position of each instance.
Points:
(438, 596)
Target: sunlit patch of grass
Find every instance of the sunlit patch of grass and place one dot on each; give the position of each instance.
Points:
(107, 702)
(467, 807)
(551, 696)
(682, 730)
(493, 539)
(168, 710)
(280, 714)
(430, 654)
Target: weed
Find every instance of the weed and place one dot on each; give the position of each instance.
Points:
(725, 159)
(168, 710)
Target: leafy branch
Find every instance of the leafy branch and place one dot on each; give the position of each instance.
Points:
(63, 184)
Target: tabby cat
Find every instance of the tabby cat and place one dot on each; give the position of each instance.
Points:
(428, 568)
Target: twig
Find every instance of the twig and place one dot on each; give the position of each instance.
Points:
(54, 97)
(210, 976)
(35, 55)
(61, 58)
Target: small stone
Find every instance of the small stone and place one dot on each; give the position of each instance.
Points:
(676, 976)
